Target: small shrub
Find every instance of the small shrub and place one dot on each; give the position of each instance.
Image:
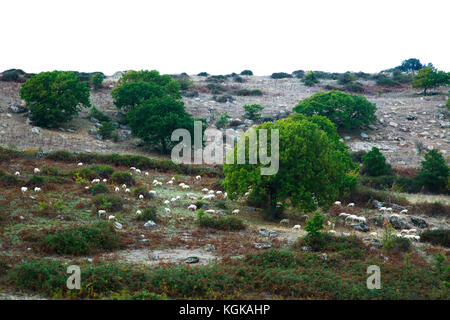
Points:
(81, 240)
(148, 214)
(253, 112)
(97, 80)
(203, 74)
(107, 202)
(434, 172)
(374, 163)
(98, 188)
(106, 129)
(224, 121)
(298, 74)
(314, 238)
(95, 171)
(228, 223)
(37, 181)
(280, 75)
(246, 73)
(437, 237)
(310, 79)
(122, 177)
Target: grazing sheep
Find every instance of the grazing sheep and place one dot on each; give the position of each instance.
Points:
(170, 182)
(332, 231)
(117, 225)
(111, 217)
(133, 168)
(95, 181)
(297, 227)
(124, 186)
(138, 171)
(343, 215)
(139, 212)
(351, 204)
(155, 181)
(166, 202)
(404, 211)
(235, 211)
(210, 211)
(198, 178)
(36, 170)
(218, 192)
(24, 189)
(37, 189)
(186, 187)
(116, 189)
(338, 203)
(167, 210)
(225, 195)
(86, 188)
(173, 199)
(373, 234)
(389, 209)
(80, 164)
(127, 190)
(208, 197)
(383, 209)
(101, 213)
(105, 180)
(204, 190)
(211, 192)
(141, 197)
(152, 192)
(192, 207)
(17, 173)
(146, 174)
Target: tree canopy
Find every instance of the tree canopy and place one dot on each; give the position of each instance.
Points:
(429, 77)
(347, 111)
(54, 97)
(314, 166)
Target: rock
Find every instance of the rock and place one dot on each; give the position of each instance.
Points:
(149, 224)
(398, 223)
(153, 256)
(393, 124)
(17, 109)
(445, 124)
(263, 245)
(268, 233)
(284, 221)
(35, 130)
(347, 138)
(192, 259)
(306, 248)
(378, 204)
(221, 212)
(210, 247)
(411, 117)
(365, 136)
(378, 220)
(372, 127)
(362, 226)
(418, 222)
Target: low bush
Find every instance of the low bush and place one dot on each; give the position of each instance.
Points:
(246, 73)
(106, 130)
(108, 202)
(280, 75)
(81, 240)
(228, 223)
(248, 92)
(374, 163)
(148, 214)
(98, 188)
(437, 237)
(122, 177)
(95, 171)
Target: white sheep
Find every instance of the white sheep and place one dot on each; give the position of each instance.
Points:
(36, 170)
(170, 182)
(173, 199)
(138, 171)
(338, 203)
(186, 187)
(210, 211)
(166, 202)
(95, 181)
(332, 231)
(211, 192)
(17, 173)
(101, 213)
(24, 189)
(155, 181)
(343, 215)
(383, 209)
(351, 204)
(133, 168)
(80, 164)
(141, 197)
(225, 195)
(235, 211)
(105, 180)
(138, 212)
(198, 177)
(36, 189)
(111, 217)
(389, 209)
(167, 210)
(373, 234)
(116, 189)
(297, 227)
(152, 192)
(124, 186)
(404, 211)
(146, 174)
(192, 207)
(218, 192)
(204, 190)
(127, 190)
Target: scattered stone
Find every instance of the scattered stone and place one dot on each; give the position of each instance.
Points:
(192, 259)
(362, 226)
(263, 245)
(284, 222)
(411, 117)
(365, 136)
(418, 222)
(210, 247)
(393, 124)
(17, 109)
(372, 127)
(149, 224)
(398, 223)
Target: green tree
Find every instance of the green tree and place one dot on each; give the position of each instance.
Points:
(310, 79)
(169, 85)
(97, 80)
(130, 94)
(314, 166)
(434, 172)
(252, 112)
(106, 129)
(54, 97)
(314, 238)
(223, 121)
(347, 111)
(374, 163)
(429, 77)
(246, 73)
(411, 64)
(156, 118)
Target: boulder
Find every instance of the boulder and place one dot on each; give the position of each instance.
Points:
(418, 222)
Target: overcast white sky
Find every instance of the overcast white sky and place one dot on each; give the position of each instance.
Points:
(221, 37)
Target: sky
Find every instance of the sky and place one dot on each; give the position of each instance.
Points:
(221, 37)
